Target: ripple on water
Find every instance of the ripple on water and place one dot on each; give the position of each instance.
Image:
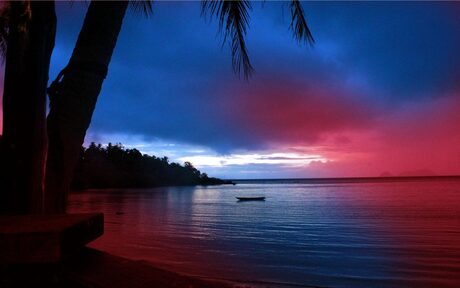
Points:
(402, 234)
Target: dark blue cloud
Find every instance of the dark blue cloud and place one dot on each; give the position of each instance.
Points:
(402, 50)
(169, 78)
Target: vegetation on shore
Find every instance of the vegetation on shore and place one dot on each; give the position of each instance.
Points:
(27, 40)
(114, 166)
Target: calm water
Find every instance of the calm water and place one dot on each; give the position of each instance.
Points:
(404, 234)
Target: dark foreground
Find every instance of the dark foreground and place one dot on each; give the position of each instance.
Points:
(94, 268)
(49, 251)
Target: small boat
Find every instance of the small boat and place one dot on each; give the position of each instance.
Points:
(251, 198)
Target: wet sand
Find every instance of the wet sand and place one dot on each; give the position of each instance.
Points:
(94, 268)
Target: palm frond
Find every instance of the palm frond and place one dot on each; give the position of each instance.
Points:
(4, 21)
(3, 40)
(141, 7)
(233, 19)
(299, 25)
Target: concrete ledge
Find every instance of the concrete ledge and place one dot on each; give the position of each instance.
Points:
(46, 238)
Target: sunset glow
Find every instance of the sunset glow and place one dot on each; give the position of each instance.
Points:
(288, 159)
(217, 144)
(358, 103)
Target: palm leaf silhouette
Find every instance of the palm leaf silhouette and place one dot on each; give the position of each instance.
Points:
(299, 25)
(233, 17)
(3, 36)
(4, 27)
(141, 7)
(233, 21)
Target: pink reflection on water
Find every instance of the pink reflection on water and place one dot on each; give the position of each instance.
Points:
(350, 235)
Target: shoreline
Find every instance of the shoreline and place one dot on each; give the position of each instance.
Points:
(96, 268)
(178, 279)
(227, 282)
(91, 268)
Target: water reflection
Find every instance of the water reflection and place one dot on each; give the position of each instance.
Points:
(359, 235)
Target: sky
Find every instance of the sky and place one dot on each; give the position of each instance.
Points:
(378, 93)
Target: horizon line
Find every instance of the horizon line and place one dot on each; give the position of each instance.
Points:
(346, 178)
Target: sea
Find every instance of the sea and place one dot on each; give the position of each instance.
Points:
(391, 232)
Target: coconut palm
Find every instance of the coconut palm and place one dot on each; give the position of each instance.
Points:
(27, 32)
(73, 95)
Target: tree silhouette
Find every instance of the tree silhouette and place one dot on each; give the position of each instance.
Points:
(27, 32)
(73, 95)
(117, 167)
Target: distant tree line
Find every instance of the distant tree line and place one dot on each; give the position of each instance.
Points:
(114, 166)
(27, 40)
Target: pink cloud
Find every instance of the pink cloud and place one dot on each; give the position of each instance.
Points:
(359, 135)
(282, 112)
(420, 136)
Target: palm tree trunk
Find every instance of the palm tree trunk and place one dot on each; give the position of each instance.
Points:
(73, 97)
(30, 44)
